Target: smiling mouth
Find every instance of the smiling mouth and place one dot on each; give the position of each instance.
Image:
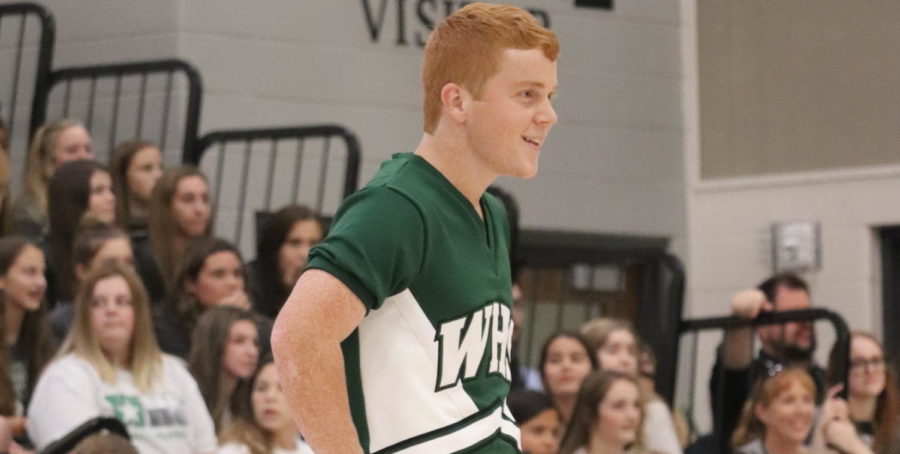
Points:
(535, 142)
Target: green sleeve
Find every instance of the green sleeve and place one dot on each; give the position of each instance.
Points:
(375, 245)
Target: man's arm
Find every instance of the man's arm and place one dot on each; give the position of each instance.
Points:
(319, 314)
(737, 347)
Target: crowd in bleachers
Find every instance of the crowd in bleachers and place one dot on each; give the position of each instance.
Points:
(118, 301)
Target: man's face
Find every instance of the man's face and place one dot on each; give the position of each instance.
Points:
(507, 126)
(794, 340)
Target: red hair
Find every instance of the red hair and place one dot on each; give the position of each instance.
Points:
(465, 47)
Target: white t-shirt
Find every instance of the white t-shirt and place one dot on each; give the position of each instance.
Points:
(237, 448)
(169, 419)
(659, 430)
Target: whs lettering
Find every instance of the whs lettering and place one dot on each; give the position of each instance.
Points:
(464, 342)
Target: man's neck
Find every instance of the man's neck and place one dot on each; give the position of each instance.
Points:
(454, 159)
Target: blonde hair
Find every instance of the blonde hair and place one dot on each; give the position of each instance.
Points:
(597, 331)
(39, 166)
(144, 357)
(465, 48)
(750, 427)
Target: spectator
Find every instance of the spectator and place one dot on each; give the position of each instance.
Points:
(615, 344)
(78, 188)
(281, 251)
(136, 166)
(96, 243)
(212, 274)
(53, 144)
(265, 425)
(538, 421)
(224, 354)
(110, 365)
(27, 334)
(565, 361)
(783, 345)
(872, 396)
(180, 211)
(779, 415)
(607, 417)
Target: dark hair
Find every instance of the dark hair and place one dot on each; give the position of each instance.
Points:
(207, 354)
(195, 255)
(119, 161)
(91, 236)
(35, 341)
(585, 416)
(268, 288)
(69, 195)
(275, 230)
(887, 404)
(787, 280)
(525, 404)
(567, 334)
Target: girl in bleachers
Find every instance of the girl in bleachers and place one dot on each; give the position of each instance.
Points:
(28, 342)
(607, 416)
(872, 397)
(110, 365)
(223, 356)
(538, 421)
(565, 360)
(53, 144)
(281, 252)
(615, 345)
(78, 189)
(180, 211)
(136, 166)
(211, 274)
(264, 425)
(96, 243)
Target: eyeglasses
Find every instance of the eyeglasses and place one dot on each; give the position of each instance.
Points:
(860, 364)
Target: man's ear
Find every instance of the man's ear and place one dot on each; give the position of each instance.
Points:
(80, 272)
(455, 101)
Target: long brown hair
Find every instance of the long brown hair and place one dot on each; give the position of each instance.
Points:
(585, 416)
(119, 161)
(207, 355)
(144, 356)
(887, 405)
(35, 338)
(70, 192)
(162, 226)
(244, 429)
(39, 167)
(764, 393)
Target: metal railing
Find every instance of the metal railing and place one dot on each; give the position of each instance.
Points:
(840, 359)
(255, 171)
(126, 101)
(27, 36)
(646, 287)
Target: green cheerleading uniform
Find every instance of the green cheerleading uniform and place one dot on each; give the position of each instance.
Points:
(428, 368)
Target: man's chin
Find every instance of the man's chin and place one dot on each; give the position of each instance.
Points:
(798, 354)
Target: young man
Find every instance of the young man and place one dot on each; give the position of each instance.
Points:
(397, 338)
